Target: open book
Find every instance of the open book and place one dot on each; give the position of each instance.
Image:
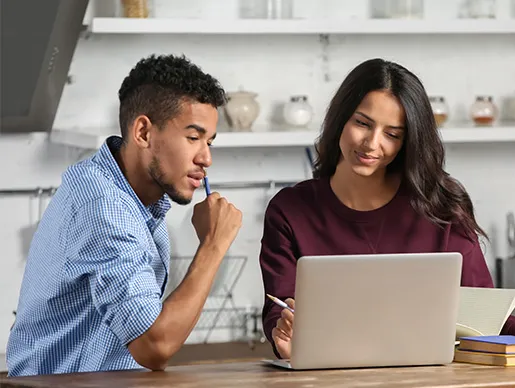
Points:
(483, 311)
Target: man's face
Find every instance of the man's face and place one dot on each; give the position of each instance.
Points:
(180, 151)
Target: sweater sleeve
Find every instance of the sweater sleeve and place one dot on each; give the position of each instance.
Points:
(475, 273)
(278, 265)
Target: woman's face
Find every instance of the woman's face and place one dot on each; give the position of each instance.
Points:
(374, 134)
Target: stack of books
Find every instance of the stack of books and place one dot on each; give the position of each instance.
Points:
(487, 350)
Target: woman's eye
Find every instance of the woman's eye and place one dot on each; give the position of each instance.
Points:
(393, 135)
(362, 123)
(193, 138)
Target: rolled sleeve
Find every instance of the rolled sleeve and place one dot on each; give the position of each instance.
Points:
(105, 247)
(134, 318)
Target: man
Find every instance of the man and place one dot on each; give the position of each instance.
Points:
(98, 264)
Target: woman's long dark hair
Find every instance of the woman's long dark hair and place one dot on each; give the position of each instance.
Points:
(435, 194)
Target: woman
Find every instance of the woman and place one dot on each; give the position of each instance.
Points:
(379, 187)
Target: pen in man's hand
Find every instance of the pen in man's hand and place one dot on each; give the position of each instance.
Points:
(280, 302)
(206, 184)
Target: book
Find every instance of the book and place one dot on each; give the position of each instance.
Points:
(483, 311)
(484, 358)
(489, 344)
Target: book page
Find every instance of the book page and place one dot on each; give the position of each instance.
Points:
(466, 331)
(483, 311)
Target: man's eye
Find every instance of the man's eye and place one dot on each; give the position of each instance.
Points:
(193, 138)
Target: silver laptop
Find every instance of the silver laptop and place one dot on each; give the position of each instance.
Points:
(375, 311)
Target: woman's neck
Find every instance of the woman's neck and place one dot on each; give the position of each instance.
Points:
(364, 193)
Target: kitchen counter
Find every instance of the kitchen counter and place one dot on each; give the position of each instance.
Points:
(256, 374)
(211, 352)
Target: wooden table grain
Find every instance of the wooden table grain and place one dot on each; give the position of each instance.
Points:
(255, 374)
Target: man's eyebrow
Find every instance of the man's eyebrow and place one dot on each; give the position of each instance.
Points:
(200, 129)
(197, 128)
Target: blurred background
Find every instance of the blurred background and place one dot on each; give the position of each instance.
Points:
(283, 60)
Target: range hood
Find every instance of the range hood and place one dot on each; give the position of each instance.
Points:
(38, 40)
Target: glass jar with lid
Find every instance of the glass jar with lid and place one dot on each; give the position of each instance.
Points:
(483, 111)
(396, 9)
(255, 9)
(136, 8)
(478, 9)
(298, 112)
(440, 109)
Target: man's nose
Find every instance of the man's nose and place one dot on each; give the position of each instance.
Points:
(204, 157)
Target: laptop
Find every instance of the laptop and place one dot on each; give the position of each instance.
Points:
(376, 310)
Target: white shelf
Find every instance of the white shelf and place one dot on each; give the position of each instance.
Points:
(299, 26)
(455, 135)
(82, 138)
(79, 138)
(495, 134)
(265, 139)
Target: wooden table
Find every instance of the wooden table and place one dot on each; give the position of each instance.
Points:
(256, 374)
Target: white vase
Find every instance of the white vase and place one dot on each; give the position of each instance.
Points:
(241, 110)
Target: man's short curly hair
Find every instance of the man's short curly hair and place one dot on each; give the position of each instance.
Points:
(157, 86)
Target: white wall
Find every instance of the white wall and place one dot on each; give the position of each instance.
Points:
(458, 67)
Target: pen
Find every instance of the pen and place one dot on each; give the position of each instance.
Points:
(280, 302)
(206, 184)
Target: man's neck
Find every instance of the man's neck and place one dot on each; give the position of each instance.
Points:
(140, 181)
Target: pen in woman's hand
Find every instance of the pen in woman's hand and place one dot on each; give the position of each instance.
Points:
(280, 302)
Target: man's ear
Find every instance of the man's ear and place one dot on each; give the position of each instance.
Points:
(140, 131)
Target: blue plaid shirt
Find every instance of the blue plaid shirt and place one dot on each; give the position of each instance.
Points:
(95, 274)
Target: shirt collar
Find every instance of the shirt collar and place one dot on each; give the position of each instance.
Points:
(105, 159)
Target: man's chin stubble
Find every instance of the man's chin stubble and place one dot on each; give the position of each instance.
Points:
(179, 199)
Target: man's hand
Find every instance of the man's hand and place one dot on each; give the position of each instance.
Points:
(216, 221)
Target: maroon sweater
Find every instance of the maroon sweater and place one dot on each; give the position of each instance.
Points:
(308, 219)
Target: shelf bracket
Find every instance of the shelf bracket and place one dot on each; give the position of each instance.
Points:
(324, 42)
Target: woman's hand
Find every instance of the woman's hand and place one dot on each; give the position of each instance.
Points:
(283, 331)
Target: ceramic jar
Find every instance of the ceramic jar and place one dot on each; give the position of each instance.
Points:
(241, 110)
(297, 112)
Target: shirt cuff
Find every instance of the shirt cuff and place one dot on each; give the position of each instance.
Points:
(134, 318)
(268, 326)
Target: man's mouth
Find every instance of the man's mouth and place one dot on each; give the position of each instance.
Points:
(195, 178)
